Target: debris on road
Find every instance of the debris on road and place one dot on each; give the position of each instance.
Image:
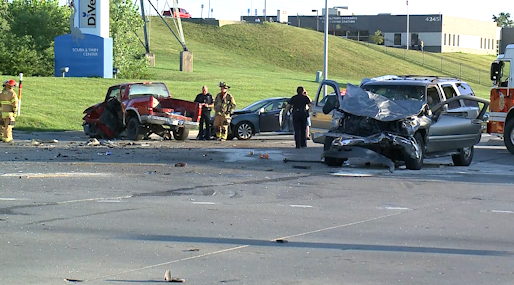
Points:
(169, 278)
(180, 164)
(72, 280)
(93, 142)
(264, 156)
(302, 166)
(281, 241)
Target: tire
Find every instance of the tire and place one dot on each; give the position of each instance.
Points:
(181, 134)
(508, 135)
(135, 130)
(331, 161)
(464, 157)
(244, 130)
(412, 163)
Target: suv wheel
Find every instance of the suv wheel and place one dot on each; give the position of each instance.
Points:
(134, 129)
(331, 161)
(464, 157)
(181, 134)
(508, 135)
(413, 163)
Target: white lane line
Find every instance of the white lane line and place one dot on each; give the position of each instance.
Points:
(52, 175)
(169, 262)
(93, 199)
(301, 206)
(204, 203)
(396, 208)
(502, 211)
(13, 199)
(240, 247)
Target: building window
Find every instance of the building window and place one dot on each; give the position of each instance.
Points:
(449, 39)
(458, 40)
(397, 39)
(488, 43)
(444, 39)
(453, 40)
(481, 46)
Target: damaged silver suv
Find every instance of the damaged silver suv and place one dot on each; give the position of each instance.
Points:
(394, 119)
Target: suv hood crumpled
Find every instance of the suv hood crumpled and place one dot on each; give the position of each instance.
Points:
(362, 103)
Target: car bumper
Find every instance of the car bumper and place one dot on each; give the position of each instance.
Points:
(346, 146)
(156, 120)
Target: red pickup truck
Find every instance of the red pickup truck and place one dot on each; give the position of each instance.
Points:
(141, 109)
(181, 13)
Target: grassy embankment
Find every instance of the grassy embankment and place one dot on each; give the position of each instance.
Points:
(257, 61)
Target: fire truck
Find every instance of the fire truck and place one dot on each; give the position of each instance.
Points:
(501, 109)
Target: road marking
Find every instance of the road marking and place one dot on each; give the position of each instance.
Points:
(301, 206)
(53, 175)
(204, 203)
(502, 211)
(396, 208)
(13, 199)
(352, 174)
(241, 247)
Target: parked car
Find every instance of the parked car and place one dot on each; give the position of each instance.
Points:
(402, 118)
(262, 116)
(181, 13)
(140, 109)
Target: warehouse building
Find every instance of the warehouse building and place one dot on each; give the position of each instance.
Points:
(437, 33)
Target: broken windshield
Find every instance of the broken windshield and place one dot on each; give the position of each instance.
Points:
(397, 92)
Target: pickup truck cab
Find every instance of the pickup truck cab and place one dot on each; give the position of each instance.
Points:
(140, 109)
(181, 13)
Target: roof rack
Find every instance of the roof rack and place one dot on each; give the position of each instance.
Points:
(432, 78)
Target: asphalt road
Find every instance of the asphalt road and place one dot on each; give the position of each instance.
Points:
(217, 213)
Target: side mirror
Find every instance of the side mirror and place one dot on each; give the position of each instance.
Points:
(261, 110)
(496, 71)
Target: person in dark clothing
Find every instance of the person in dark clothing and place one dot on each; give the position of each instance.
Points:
(298, 104)
(205, 98)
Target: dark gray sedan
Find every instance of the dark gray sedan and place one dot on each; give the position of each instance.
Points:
(261, 116)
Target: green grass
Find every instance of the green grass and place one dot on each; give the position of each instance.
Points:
(257, 61)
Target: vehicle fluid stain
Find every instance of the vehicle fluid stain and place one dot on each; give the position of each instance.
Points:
(245, 155)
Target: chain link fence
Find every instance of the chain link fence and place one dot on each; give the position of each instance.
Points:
(437, 63)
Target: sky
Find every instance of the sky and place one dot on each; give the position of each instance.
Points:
(234, 9)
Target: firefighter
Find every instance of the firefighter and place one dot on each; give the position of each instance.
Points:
(224, 105)
(9, 104)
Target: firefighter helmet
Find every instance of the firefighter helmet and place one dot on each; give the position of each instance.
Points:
(10, 82)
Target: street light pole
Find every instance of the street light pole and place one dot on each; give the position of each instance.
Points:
(408, 35)
(325, 58)
(317, 20)
(209, 12)
(264, 10)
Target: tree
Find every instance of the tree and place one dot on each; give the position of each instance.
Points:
(503, 20)
(42, 20)
(27, 31)
(125, 21)
(377, 38)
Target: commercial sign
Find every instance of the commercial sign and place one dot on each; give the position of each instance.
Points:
(88, 14)
(341, 20)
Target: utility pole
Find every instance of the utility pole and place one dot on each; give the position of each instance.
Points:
(209, 13)
(408, 35)
(264, 10)
(201, 13)
(325, 59)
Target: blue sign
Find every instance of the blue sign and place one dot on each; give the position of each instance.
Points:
(87, 56)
